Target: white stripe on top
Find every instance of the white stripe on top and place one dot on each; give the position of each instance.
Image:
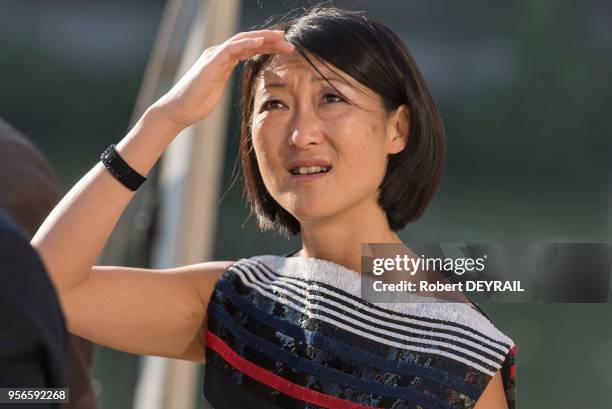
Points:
(378, 317)
(349, 281)
(252, 278)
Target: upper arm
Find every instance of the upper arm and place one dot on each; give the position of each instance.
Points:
(143, 311)
(494, 396)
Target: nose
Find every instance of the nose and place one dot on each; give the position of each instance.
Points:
(306, 129)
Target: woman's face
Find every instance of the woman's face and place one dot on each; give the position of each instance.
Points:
(301, 124)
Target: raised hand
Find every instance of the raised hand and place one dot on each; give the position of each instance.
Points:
(195, 95)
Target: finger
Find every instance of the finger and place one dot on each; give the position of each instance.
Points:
(237, 47)
(264, 41)
(246, 48)
(281, 47)
(246, 54)
(266, 34)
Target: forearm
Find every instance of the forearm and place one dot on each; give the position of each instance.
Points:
(74, 234)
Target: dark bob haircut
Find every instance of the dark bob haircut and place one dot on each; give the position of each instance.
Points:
(372, 54)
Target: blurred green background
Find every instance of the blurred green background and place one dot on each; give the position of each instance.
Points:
(524, 91)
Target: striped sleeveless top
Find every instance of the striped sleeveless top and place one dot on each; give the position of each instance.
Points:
(293, 332)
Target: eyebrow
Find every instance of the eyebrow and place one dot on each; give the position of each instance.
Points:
(284, 85)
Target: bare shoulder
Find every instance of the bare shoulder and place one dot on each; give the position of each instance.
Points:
(206, 267)
(494, 396)
(204, 276)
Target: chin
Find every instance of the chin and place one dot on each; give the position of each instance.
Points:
(308, 211)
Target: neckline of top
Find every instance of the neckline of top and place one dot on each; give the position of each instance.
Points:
(320, 261)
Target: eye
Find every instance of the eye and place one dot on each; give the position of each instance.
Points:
(331, 97)
(271, 103)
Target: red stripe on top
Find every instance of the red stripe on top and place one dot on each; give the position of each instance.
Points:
(274, 381)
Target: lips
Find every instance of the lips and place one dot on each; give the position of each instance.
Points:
(307, 163)
(307, 177)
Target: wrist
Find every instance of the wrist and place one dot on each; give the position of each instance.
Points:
(161, 113)
(148, 139)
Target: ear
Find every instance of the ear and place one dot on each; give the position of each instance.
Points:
(398, 127)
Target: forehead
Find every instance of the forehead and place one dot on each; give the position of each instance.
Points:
(293, 62)
(287, 67)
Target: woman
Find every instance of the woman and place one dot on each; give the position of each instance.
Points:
(340, 142)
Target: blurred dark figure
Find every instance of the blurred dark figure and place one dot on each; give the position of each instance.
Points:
(30, 189)
(33, 338)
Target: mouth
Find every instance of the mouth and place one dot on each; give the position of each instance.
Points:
(306, 173)
(309, 170)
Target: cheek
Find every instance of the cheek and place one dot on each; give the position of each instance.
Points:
(267, 156)
(364, 150)
(261, 153)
